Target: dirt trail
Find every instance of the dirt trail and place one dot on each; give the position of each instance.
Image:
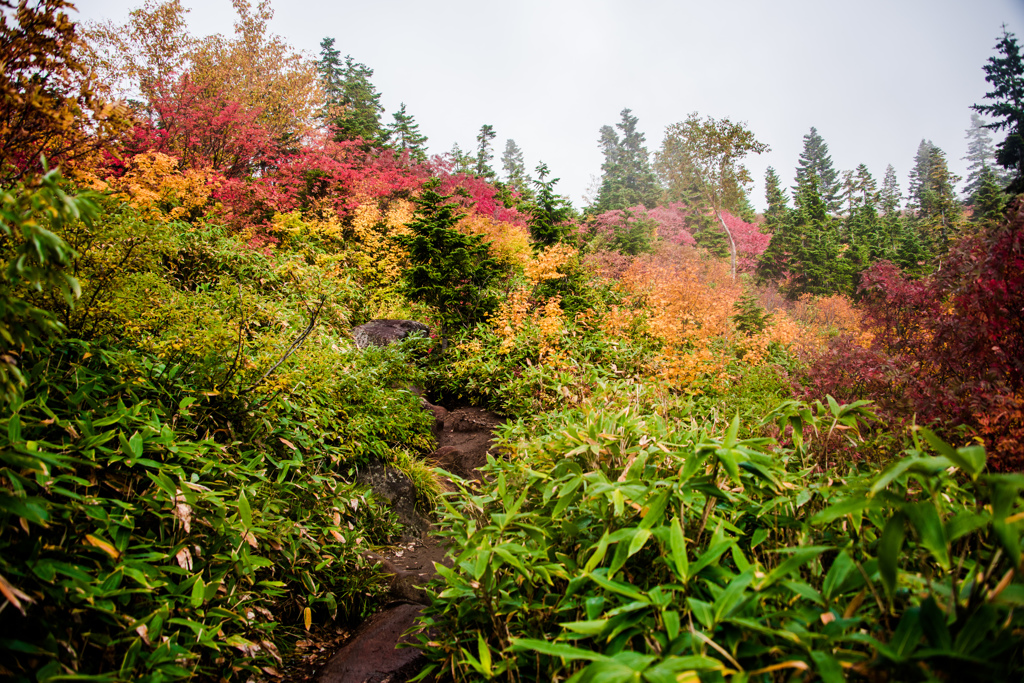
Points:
(464, 436)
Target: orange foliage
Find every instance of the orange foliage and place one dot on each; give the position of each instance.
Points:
(550, 263)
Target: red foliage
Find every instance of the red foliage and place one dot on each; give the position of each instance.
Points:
(750, 241)
(475, 194)
(949, 348)
(323, 174)
(204, 128)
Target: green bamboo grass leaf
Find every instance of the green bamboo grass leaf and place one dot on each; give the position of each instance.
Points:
(827, 667)
(970, 459)
(598, 555)
(244, 511)
(889, 547)
(730, 434)
(198, 593)
(845, 507)
(677, 546)
(566, 652)
(932, 534)
(841, 567)
(591, 627)
(639, 539)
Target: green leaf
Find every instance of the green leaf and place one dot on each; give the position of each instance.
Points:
(485, 654)
(677, 545)
(841, 567)
(925, 520)
(639, 539)
(198, 593)
(598, 555)
(827, 666)
(244, 512)
(933, 622)
(566, 652)
(671, 619)
(889, 547)
(845, 507)
(592, 627)
(908, 633)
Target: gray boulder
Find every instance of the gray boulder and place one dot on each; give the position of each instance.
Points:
(384, 332)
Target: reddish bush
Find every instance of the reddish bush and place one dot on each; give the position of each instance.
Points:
(948, 350)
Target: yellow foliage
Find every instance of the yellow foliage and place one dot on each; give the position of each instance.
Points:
(550, 263)
(508, 243)
(159, 190)
(325, 227)
(375, 255)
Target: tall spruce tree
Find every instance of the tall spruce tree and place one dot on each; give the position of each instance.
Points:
(627, 177)
(815, 160)
(933, 201)
(484, 155)
(980, 155)
(776, 198)
(989, 200)
(404, 134)
(549, 212)
(514, 166)
(890, 199)
(1005, 72)
(347, 88)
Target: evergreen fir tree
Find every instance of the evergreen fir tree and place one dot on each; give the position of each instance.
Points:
(980, 155)
(890, 199)
(405, 135)
(448, 270)
(989, 199)
(347, 87)
(514, 167)
(461, 162)
(549, 212)
(1005, 73)
(627, 177)
(484, 155)
(815, 160)
(331, 74)
(776, 198)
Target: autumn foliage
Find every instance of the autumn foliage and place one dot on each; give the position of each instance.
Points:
(946, 350)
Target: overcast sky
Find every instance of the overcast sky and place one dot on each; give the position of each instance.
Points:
(874, 77)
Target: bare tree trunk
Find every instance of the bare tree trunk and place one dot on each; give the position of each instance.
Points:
(732, 242)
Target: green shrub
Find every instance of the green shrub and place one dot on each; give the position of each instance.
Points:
(618, 548)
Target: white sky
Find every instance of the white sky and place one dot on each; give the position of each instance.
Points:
(873, 76)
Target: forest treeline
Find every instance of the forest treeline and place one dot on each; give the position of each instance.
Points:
(738, 447)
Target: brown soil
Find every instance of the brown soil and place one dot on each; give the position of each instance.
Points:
(464, 437)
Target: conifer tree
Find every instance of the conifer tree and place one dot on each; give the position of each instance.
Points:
(550, 211)
(815, 160)
(514, 167)
(461, 162)
(989, 200)
(448, 270)
(347, 87)
(1005, 72)
(932, 199)
(404, 134)
(890, 199)
(776, 198)
(980, 155)
(484, 155)
(627, 177)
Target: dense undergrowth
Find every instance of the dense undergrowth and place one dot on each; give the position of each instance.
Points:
(706, 479)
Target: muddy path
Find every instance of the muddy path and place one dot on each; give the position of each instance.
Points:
(464, 437)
